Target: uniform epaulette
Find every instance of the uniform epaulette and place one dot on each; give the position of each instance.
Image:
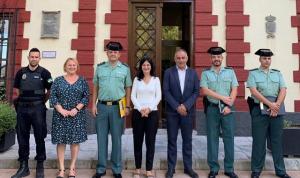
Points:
(253, 69)
(228, 68)
(275, 70)
(125, 64)
(206, 69)
(100, 63)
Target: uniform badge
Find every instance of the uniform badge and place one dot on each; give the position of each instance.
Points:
(24, 76)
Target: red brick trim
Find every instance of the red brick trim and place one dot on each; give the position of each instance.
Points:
(118, 18)
(295, 22)
(21, 42)
(204, 21)
(236, 47)
(85, 42)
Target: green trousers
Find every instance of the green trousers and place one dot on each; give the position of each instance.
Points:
(108, 121)
(218, 123)
(263, 126)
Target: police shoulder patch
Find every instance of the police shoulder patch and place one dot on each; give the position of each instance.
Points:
(275, 70)
(50, 80)
(100, 63)
(228, 68)
(253, 69)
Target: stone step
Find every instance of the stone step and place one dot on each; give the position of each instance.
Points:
(87, 158)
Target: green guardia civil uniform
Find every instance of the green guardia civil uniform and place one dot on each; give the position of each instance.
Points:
(221, 83)
(112, 82)
(268, 84)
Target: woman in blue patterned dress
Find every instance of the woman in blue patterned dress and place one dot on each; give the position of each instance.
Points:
(69, 97)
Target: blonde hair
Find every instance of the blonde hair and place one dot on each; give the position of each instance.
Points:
(71, 59)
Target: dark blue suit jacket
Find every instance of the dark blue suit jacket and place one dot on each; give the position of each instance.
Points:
(172, 91)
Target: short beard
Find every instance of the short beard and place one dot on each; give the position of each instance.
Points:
(217, 64)
(33, 65)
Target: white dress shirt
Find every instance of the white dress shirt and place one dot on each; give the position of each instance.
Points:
(146, 95)
(181, 75)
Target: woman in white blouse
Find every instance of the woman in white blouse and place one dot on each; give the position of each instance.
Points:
(145, 96)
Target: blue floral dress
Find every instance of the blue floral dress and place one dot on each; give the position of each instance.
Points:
(69, 130)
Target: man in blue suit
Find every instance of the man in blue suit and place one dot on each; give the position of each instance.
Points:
(181, 89)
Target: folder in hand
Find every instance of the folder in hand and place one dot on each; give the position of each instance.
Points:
(122, 106)
(265, 109)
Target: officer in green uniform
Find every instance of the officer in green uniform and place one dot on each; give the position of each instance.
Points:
(265, 82)
(112, 82)
(219, 86)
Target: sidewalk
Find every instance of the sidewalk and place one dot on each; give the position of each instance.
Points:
(87, 158)
(88, 173)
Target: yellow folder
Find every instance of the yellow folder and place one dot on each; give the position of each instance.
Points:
(122, 106)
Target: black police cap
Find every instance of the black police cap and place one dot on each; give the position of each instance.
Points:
(114, 46)
(264, 52)
(216, 50)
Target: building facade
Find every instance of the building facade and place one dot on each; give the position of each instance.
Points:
(81, 28)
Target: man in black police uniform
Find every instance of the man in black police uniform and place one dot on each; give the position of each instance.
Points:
(32, 85)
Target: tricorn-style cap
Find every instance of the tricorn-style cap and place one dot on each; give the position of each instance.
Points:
(215, 50)
(264, 52)
(114, 46)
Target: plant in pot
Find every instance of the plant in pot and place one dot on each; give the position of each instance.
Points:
(7, 126)
(290, 139)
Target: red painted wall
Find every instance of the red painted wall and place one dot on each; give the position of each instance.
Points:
(236, 47)
(295, 22)
(85, 43)
(204, 21)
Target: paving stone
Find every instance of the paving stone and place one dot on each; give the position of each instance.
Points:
(87, 157)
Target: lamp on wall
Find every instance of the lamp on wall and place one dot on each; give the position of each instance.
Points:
(270, 26)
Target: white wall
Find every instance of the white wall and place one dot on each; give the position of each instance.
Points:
(102, 29)
(67, 32)
(219, 31)
(281, 45)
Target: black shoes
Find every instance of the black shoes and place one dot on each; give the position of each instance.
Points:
(283, 175)
(99, 175)
(212, 174)
(23, 171)
(231, 174)
(40, 169)
(191, 173)
(255, 174)
(169, 173)
(117, 175)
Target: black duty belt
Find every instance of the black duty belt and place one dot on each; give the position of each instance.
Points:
(29, 104)
(109, 103)
(213, 104)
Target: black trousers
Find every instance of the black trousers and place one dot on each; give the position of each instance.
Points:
(34, 116)
(144, 126)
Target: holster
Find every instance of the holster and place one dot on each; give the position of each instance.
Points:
(250, 102)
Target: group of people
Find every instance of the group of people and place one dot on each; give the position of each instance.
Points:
(69, 95)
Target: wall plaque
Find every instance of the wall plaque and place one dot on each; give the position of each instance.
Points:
(50, 24)
(48, 54)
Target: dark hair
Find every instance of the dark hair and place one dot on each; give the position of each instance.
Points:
(140, 74)
(34, 50)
